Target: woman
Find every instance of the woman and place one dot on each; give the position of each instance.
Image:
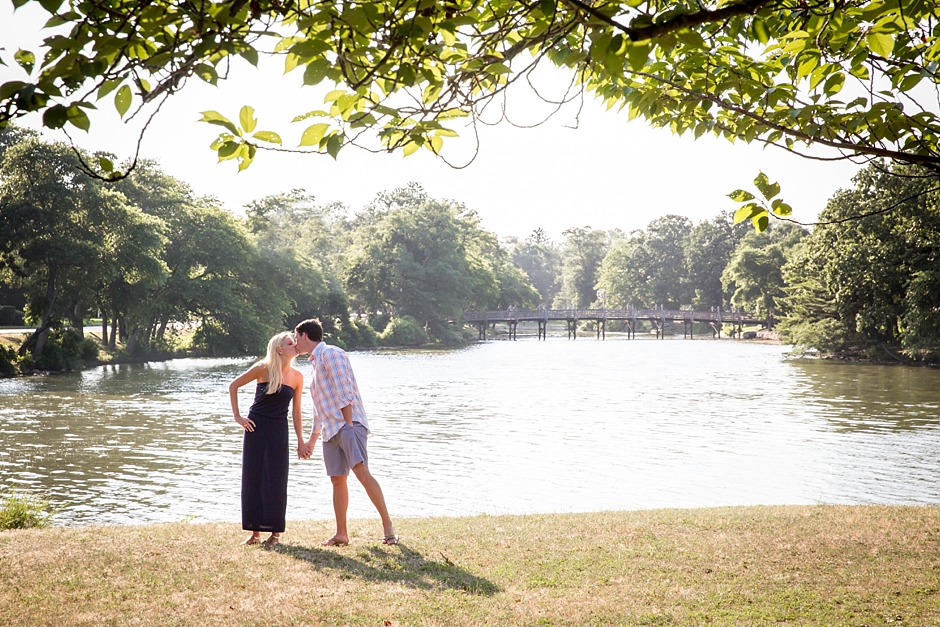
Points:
(264, 450)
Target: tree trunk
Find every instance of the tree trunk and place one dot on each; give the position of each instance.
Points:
(114, 325)
(104, 325)
(122, 329)
(41, 334)
(77, 318)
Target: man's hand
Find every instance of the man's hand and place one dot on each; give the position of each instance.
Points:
(303, 450)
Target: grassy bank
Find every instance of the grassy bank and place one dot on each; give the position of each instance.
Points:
(820, 565)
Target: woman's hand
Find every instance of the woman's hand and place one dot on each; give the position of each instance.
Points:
(246, 423)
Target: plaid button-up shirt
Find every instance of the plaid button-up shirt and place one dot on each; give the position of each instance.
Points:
(333, 387)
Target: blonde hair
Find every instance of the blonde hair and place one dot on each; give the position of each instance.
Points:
(274, 362)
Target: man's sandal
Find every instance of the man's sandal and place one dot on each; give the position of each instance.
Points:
(390, 540)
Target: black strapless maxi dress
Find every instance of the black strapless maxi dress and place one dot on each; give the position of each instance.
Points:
(265, 461)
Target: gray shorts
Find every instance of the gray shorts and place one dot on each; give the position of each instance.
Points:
(345, 449)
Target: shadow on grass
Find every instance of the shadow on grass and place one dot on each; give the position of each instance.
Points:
(394, 563)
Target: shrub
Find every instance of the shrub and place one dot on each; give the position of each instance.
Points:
(8, 362)
(827, 335)
(404, 331)
(358, 334)
(23, 512)
(10, 316)
(64, 350)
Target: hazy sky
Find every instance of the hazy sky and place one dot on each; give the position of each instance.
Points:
(607, 173)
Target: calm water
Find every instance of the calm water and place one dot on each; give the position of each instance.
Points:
(502, 427)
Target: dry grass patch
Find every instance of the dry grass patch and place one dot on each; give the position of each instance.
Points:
(822, 565)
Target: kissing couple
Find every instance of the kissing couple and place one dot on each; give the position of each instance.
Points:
(338, 416)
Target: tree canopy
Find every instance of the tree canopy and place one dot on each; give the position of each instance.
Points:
(857, 76)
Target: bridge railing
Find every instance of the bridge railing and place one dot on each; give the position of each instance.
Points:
(521, 315)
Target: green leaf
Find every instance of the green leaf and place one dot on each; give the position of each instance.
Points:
(410, 148)
(880, 44)
(10, 88)
(105, 164)
(55, 117)
(214, 117)
(691, 38)
(108, 86)
(638, 55)
(740, 195)
(747, 211)
(781, 208)
(246, 155)
(767, 189)
(547, 7)
(122, 100)
(246, 117)
(834, 84)
(316, 71)
(227, 150)
(760, 222)
(26, 59)
(334, 95)
(334, 144)
(250, 55)
(78, 118)
(207, 73)
(268, 136)
(51, 6)
(313, 134)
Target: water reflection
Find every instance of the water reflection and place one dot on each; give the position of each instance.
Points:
(501, 427)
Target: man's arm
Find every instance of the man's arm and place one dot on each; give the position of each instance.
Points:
(340, 375)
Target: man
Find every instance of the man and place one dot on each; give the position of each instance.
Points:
(340, 418)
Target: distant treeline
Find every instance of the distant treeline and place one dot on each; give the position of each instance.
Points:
(169, 272)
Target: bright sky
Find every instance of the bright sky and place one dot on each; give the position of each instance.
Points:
(608, 173)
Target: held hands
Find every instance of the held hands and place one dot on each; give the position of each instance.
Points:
(245, 423)
(304, 450)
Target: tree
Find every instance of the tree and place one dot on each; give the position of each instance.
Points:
(540, 259)
(299, 238)
(845, 74)
(873, 280)
(583, 252)
(754, 275)
(710, 246)
(625, 273)
(64, 234)
(649, 267)
(412, 260)
(217, 277)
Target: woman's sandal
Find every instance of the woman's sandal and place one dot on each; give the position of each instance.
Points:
(252, 540)
(273, 540)
(334, 542)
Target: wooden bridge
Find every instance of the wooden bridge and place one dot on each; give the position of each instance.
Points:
(659, 319)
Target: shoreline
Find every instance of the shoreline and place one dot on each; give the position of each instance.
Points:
(755, 565)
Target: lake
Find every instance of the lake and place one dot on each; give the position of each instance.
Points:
(500, 427)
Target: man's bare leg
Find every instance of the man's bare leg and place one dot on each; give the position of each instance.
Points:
(375, 495)
(340, 505)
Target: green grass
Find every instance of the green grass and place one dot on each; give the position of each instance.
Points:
(22, 511)
(815, 565)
